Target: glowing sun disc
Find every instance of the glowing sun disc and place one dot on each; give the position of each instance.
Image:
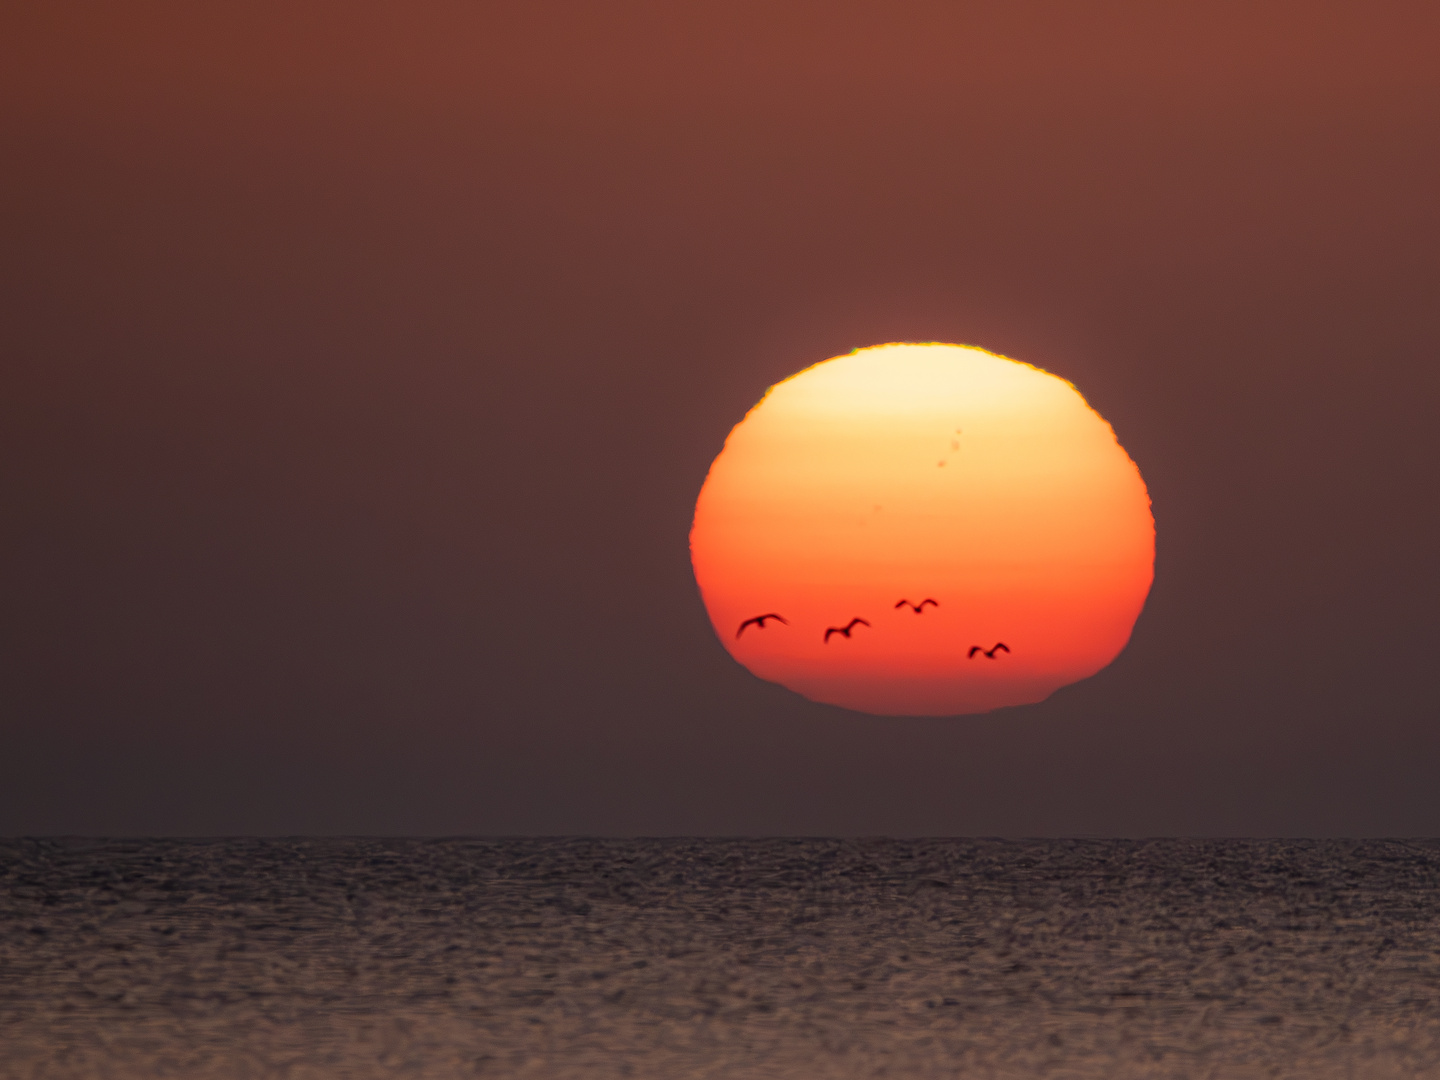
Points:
(869, 484)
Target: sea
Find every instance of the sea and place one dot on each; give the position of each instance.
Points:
(714, 958)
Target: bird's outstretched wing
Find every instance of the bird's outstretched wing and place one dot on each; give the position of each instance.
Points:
(759, 620)
(918, 608)
(901, 603)
(844, 631)
(973, 650)
(1001, 646)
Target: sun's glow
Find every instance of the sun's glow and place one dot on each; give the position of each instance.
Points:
(907, 472)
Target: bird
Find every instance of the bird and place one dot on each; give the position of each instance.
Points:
(843, 631)
(917, 608)
(759, 620)
(989, 653)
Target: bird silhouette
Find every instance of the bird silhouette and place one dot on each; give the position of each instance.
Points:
(989, 653)
(917, 608)
(843, 631)
(759, 620)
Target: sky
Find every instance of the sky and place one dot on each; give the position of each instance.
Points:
(362, 363)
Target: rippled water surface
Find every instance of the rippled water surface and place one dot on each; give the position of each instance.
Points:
(712, 958)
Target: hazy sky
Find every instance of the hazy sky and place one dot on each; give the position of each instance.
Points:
(359, 368)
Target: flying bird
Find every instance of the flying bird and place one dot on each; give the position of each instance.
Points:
(759, 620)
(843, 631)
(917, 608)
(989, 653)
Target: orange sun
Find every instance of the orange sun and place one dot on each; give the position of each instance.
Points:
(923, 530)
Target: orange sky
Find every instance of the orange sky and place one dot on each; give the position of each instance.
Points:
(914, 471)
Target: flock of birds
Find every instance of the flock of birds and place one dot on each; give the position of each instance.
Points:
(759, 622)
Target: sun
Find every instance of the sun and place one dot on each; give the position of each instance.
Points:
(923, 529)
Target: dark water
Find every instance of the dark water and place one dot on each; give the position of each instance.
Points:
(680, 958)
